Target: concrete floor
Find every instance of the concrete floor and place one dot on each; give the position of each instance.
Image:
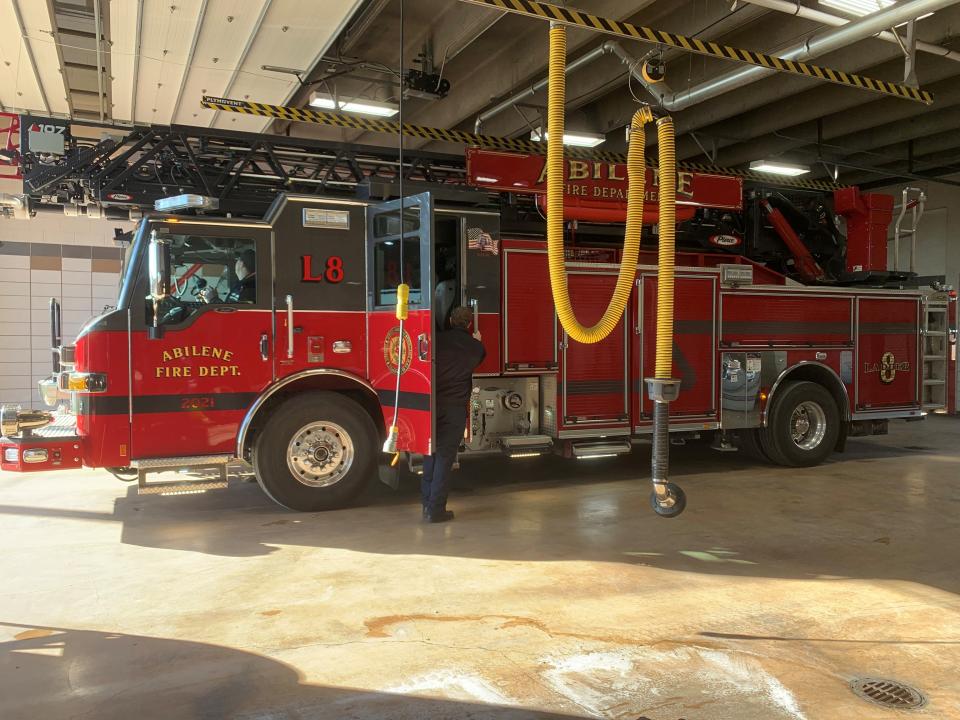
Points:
(556, 593)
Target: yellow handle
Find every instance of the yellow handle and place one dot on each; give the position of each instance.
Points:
(403, 301)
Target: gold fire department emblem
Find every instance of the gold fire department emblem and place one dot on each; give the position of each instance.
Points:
(391, 350)
(887, 367)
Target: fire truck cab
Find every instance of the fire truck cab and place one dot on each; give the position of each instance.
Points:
(276, 343)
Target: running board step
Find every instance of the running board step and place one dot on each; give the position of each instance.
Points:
(516, 446)
(601, 449)
(181, 487)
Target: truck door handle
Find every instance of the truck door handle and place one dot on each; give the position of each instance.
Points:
(264, 347)
(475, 306)
(289, 326)
(423, 345)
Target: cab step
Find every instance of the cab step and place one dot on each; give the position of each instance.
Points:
(181, 487)
(517, 446)
(608, 448)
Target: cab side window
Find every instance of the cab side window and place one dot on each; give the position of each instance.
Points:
(396, 256)
(205, 271)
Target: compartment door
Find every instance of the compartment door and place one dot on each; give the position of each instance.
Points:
(889, 366)
(694, 344)
(594, 384)
(402, 252)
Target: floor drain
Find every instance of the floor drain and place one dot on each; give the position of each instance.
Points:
(889, 693)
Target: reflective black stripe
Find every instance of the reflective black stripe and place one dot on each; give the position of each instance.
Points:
(594, 387)
(692, 327)
(889, 328)
(778, 327)
(117, 404)
(408, 400)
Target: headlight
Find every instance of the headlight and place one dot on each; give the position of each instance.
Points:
(35, 455)
(87, 382)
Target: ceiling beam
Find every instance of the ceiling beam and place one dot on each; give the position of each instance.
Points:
(843, 122)
(243, 56)
(28, 49)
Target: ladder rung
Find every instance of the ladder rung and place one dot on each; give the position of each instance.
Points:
(930, 383)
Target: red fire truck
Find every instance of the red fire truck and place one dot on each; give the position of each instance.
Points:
(300, 376)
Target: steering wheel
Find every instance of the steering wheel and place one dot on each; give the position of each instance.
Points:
(199, 285)
(171, 307)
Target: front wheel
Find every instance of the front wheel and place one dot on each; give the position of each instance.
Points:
(317, 451)
(803, 426)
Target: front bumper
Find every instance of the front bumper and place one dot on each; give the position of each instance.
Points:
(53, 445)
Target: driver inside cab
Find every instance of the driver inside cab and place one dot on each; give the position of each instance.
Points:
(244, 290)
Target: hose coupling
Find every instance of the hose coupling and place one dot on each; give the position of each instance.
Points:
(663, 390)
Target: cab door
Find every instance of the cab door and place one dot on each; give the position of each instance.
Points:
(400, 354)
(194, 377)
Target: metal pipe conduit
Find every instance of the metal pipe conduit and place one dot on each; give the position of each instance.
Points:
(609, 46)
(814, 46)
(792, 8)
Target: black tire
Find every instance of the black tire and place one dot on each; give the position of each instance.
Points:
(820, 429)
(748, 442)
(327, 423)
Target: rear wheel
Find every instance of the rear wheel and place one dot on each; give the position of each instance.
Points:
(803, 425)
(748, 441)
(317, 451)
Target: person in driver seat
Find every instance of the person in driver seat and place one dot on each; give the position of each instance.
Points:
(245, 289)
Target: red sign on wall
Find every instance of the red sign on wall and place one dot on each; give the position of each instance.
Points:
(597, 190)
(9, 141)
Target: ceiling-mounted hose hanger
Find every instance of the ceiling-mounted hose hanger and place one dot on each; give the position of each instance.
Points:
(667, 499)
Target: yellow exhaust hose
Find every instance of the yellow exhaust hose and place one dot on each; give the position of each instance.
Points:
(636, 174)
(665, 247)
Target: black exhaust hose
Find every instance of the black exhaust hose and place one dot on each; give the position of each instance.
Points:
(660, 456)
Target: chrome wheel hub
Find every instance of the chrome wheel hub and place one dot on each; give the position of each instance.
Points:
(808, 425)
(320, 454)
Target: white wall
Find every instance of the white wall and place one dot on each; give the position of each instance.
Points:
(72, 259)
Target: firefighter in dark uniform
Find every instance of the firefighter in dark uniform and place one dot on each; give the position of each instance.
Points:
(244, 290)
(458, 355)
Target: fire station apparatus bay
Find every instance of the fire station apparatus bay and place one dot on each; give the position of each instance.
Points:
(554, 594)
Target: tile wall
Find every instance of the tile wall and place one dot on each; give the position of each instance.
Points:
(72, 259)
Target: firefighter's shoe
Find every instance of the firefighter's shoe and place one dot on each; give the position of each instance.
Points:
(437, 516)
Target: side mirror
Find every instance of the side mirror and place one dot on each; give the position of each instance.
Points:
(158, 268)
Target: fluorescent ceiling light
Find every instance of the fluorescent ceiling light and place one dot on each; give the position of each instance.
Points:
(580, 139)
(361, 107)
(775, 167)
(859, 8)
(322, 101)
(368, 107)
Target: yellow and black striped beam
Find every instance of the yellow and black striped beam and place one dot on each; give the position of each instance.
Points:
(580, 19)
(461, 137)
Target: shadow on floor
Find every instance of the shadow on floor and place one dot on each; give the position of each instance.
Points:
(875, 511)
(55, 673)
